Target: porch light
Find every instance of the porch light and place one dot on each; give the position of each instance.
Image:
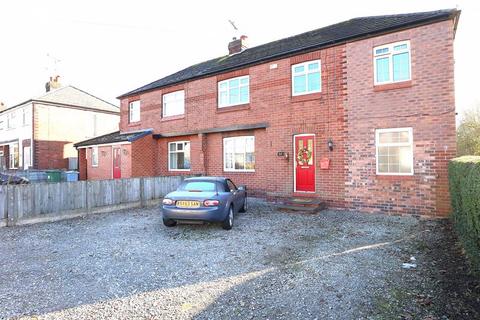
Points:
(330, 144)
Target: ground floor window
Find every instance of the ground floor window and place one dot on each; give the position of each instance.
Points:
(179, 156)
(239, 154)
(14, 156)
(95, 157)
(394, 151)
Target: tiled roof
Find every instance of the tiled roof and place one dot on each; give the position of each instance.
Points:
(71, 95)
(114, 137)
(326, 36)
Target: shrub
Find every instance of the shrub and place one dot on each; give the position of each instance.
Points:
(464, 178)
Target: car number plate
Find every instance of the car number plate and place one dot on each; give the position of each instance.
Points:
(188, 204)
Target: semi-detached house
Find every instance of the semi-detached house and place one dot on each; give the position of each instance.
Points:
(360, 114)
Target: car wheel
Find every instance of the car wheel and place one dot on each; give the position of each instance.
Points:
(227, 224)
(169, 222)
(245, 205)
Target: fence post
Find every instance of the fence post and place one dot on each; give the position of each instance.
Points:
(142, 192)
(87, 196)
(11, 212)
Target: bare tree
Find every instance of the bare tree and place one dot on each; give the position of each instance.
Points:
(468, 133)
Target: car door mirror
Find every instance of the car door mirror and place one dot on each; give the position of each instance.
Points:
(242, 188)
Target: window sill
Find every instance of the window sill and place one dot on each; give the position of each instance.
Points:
(394, 177)
(239, 107)
(392, 86)
(306, 97)
(239, 171)
(170, 118)
(179, 170)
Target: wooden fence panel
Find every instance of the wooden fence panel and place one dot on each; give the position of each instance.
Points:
(23, 202)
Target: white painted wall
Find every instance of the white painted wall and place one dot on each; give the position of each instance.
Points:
(16, 126)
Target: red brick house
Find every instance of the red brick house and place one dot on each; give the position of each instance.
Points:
(360, 114)
(39, 133)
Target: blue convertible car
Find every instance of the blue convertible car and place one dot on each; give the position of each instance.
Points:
(211, 199)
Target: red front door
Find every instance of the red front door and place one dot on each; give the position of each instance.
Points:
(117, 163)
(305, 163)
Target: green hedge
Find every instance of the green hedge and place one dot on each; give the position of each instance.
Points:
(464, 176)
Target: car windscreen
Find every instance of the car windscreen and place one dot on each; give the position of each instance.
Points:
(198, 186)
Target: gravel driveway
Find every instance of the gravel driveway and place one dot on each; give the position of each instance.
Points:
(272, 265)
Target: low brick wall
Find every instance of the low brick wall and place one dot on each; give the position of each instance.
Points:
(41, 202)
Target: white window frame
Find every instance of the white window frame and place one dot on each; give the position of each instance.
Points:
(173, 94)
(227, 81)
(394, 144)
(95, 157)
(11, 156)
(390, 55)
(11, 120)
(176, 151)
(225, 153)
(131, 109)
(306, 72)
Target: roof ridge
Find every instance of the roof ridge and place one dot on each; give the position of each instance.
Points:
(343, 31)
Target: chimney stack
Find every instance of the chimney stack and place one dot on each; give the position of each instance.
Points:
(237, 45)
(54, 83)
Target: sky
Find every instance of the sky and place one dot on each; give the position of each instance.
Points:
(108, 48)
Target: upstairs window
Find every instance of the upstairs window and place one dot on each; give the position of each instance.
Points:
(179, 156)
(11, 120)
(394, 151)
(306, 78)
(174, 103)
(234, 91)
(392, 62)
(134, 111)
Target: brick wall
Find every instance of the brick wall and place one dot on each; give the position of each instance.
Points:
(348, 110)
(427, 104)
(271, 101)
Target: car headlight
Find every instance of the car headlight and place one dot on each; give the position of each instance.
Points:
(168, 202)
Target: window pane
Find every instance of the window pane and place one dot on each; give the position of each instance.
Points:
(250, 161)
(173, 146)
(405, 159)
(233, 83)
(381, 51)
(400, 47)
(180, 160)
(313, 66)
(223, 86)
(314, 81)
(298, 69)
(401, 67)
(299, 84)
(244, 81)
(385, 137)
(383, 72)
(244, 94)
(383, 167)
(239, 161)
(234, 95)
(223, 98)
(173, 161)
